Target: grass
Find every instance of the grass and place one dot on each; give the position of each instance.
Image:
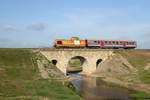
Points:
(139, 59)
(144, 75)
(20, 79)
(140, 96)
(75, 63)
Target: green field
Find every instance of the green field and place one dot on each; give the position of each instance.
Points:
(20, 79)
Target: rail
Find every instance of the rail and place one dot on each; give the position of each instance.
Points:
(73, 49)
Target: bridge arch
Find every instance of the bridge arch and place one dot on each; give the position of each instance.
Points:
(54, 61)
(98, 62)
(81, 62)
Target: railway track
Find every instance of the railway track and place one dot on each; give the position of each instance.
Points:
(74, 49)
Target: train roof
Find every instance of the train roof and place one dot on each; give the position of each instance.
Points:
(112, 40)
(96, 40)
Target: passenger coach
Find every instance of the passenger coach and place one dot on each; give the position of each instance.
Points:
(111, 44)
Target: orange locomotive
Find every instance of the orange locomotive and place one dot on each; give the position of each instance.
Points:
(73, 42)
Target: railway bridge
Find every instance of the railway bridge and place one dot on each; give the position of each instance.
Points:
(90, 58)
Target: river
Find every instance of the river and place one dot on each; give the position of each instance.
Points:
(93, 88)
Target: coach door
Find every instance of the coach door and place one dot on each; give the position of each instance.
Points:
(124, 44)
(102, 44)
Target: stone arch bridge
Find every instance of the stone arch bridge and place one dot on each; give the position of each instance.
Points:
(90, 58)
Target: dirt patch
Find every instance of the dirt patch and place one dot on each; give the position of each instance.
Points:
(47, 69)
(147, 67)
(42, 70)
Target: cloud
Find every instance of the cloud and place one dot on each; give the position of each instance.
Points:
(37, 26)
(9, 28)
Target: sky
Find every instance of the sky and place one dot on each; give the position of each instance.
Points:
(37, 23)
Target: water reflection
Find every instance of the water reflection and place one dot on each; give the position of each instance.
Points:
(93, 88)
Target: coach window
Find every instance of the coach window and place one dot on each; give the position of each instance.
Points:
(120, 42)
(113, 42)
(95, 42)
(117, 42)
(106, 42)
(109, 42)
(130, 43)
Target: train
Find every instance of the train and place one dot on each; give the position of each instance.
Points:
(76, 42)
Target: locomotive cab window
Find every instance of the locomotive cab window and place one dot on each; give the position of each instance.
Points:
(96, 42)
(59, 42)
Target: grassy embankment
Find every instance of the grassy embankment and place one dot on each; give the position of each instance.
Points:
(139, 59)
(20, 79)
